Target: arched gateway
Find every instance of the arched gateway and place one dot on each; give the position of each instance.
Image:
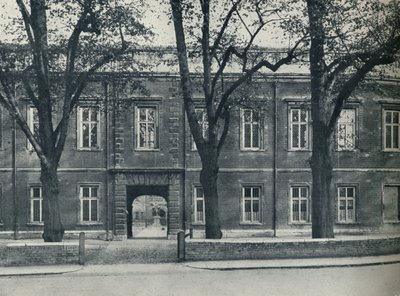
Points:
(130, 185)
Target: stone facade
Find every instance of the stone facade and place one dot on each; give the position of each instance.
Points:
(270, 175)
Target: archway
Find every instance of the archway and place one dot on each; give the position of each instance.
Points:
(147, 211)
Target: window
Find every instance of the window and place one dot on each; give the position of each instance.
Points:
(250, 129)
(391, 203)
(202, 120)
(199, 206)
(391, 130)
(89, 203)
(36, 204)
(88, 128)
(346, 204)
(345, 130)
(33, 123)
(299, 138)
(251, 204)
(146, 128)
(299, 196)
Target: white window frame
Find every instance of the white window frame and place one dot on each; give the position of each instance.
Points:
(348, 129)
(203, 125)
(253, 218)
(300, 198)
(89, 198)
(30, 116)
(147, 146)
(32, 203)
(296, 125)
(392, 125)
(199, 217)
(89, 122)
(396, 220)
(347, 200)
(252, 124)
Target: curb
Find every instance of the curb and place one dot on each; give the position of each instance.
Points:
(41, 270)
(294, 264)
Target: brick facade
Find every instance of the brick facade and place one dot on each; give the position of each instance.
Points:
(117, 168)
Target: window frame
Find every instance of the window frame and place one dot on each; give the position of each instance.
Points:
(392, 109)
(260, 124)
(32, 200)
(136, 124)
(31, 124)
(307, 123)
(90, 198)
(253, 220)
(388, 221)
(346, 198)
(80, 127)
(203, 126)
(355, 128)
(308, 204)
(195, 211)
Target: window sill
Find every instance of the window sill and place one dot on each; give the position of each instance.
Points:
(250, 223)
(89, 224)
(347, 223)
(198, 224)
(89, 149)
(344, 151)
(35, 224)
(300, 223)
(392, 222)
(299, 150)
(252, 150)
(391, 151)
(147, 150)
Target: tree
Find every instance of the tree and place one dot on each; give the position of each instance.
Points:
(348, 40)
(96, 32)
(228, 36)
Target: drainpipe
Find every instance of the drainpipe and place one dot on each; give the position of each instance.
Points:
(184, 165)
(14, 179)
(107, 187)
(275, 151)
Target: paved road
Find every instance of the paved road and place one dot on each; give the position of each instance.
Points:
(179, 279)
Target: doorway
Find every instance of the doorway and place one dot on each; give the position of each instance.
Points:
(147, 211)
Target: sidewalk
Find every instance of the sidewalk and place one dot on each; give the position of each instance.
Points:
(207, 265)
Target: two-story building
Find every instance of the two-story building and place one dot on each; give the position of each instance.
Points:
(123, 144)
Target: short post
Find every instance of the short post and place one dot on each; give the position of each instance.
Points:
(181, 245)
(82, 248)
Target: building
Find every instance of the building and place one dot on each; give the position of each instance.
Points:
(124, 144)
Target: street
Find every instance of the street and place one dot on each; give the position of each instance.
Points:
(180, 279)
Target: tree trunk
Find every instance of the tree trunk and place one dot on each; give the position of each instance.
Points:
(53, 228)
(321, 165)
(209, 179)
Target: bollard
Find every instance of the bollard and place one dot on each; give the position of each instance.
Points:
(82, 248)
(181, 245)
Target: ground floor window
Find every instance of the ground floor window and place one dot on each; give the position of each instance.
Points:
(391, 203)
(251, 204)
(299, 196)
(346, 204)
(199, 206)
(89, 202)
(36, 204)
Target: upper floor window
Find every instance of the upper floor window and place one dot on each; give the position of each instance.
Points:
(146, 128)
(391, 203)
(346, 204)
(201, 114)
(36, 204)
(199, 206)
(250, 129)
(33, 123)
(88, 128)
(89, 203)
(251, 204)
(299, 131)
(299, 197)
(391, 130)
(346, 130)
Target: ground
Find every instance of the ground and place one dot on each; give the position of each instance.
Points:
(181, 279)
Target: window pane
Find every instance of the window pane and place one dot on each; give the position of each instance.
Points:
(388, 135)
(304, 191)
(36, 211)
(256, 206)
(256, 133)
(85, 191)
(395, 117)
(295, 210)
(94, 191)
(85, 210)
(247, 192)
(85, 135)
(199, 192)
(295, 136)
(93, 134)
(256, 192)
(85, 114)
(395, 137)
(247, 206)
(295, 192)
(36, 191)
(350, 192)
(303, 136)
(247, 136)
(295, 115)
(303, 115)
(199, 205)
(94, 210)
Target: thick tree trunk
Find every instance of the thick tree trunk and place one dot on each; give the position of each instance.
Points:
(209, 179)
(53, 228)
(321, 165)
